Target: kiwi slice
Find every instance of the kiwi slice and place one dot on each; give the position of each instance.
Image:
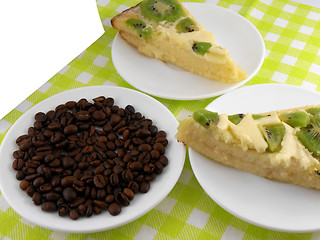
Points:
(205, 117)
(273, 134)
(314, 111)
(258, 116)
(236, 118)
(295, 119)
(186, 25)
(201, 47)
(310, 136)
(140, 27)
(161, 10)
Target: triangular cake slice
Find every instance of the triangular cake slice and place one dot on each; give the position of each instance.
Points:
(282, 145)
(164, 29)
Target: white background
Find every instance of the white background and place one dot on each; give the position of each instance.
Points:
(37, 39)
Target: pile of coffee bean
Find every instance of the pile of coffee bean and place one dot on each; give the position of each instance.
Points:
(85, 157)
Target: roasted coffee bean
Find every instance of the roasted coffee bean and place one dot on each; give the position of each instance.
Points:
(24, 184)
(114, 119)
(70, 129)
(53, 197)
(164, 160)
(67, 162)
(38, 182)
(109, 198)
(114, 209)
(77, 202)
(159, 147)
(114, 179)
(135, 166)
(63, 211)
(134, 186)
(20, 175)
(122, 199)
(67, 181)
(129, 193)
(129, 110)
(18, 154)
(47, 187)
(36, 198)
(82, 209)
(99, 115)
(144, 187)
(99, 181)
(83, 115)
(48, 206)
(30, 190)
(40, 117)
(144, 148)
(100, 204)
(69, 194)
(73, 214)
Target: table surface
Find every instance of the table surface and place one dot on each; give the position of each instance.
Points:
(291, 32)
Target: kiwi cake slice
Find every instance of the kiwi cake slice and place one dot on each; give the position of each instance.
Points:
(161, 10)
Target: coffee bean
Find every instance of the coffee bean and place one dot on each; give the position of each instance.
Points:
(38, 182)
(109, 198)
(24, 184)
(67, 162)
(48, 206)
(100, 204)
(73, 214)
(129, 193)
(122, 199)
(82, 209)
(134, 186)
(53, 197)
(144, 148)
(40, 117)
(99, 181)
(47, 187)
(67, 181)
(114, 209)
(99, 115)
(63, 211)
(69, 194)
(144, 187)
(129, 110)
(135, 166)
(164, 160)
(159, 147)
(83, 116)
(70, 129)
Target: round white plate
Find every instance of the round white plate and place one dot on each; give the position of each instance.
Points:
(141, 204)
(270, 204)
(237, 34)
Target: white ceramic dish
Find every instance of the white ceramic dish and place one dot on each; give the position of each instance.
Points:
(270, 204)
(141, 204)
(237, 34)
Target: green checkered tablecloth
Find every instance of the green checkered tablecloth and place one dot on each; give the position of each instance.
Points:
(292, 37)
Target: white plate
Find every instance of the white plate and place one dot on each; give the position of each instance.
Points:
(237, 34)
(141, 204)
(270, 204)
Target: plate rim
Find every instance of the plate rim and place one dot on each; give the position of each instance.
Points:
(96, 229)
(203, 96)
(221, 203)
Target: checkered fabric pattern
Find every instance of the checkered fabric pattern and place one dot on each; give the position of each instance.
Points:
(292, 37)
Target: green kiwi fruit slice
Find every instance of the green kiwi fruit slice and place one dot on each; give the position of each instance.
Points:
(161, 10)
(273, 134)
(236, 118)
(205, 117)
(295, 119)
(140, 27)
(314, 111)
(310, 136)
(258, 116)
(201, 47)
(186, 25)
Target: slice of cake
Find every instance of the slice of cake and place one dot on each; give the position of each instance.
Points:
(164, 29)
(282, 145)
